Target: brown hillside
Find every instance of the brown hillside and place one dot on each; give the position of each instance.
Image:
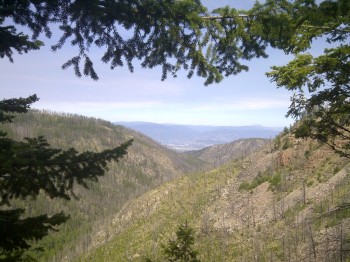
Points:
(277, 204)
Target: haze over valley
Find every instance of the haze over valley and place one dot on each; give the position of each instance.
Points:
(195, 137)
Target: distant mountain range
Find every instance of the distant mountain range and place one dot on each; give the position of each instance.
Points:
(195, 137)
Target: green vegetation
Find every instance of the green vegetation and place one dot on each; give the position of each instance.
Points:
(157, 214)
(181, 248)
(120, 219)
(258, 180)
(31, 167)
(286, 144)
(206, 201)
(274, 181)
(146, 166)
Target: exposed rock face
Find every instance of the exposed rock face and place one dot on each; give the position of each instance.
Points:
(284, 158)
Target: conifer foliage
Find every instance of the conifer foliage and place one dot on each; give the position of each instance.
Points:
(31, 167)
(321, 84)
(181, 248)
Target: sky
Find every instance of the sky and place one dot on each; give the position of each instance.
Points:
(246, 99)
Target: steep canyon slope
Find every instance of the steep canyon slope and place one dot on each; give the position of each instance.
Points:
(285, 202)
(146, 166)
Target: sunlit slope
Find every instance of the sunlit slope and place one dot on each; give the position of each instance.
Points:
(218, 155)
(146, 166)
(286, 202)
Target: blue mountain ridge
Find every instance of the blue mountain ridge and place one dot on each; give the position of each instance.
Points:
(195, 137)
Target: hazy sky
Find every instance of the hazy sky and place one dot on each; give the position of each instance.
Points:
(246, 99)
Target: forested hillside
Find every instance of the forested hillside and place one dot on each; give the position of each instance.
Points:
(146, 166)
(288, 201)
(218, 155)
(281, 200)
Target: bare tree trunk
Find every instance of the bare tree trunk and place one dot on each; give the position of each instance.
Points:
(341, 242)
(312, 242)
(296, 241)
(283, 248)
(288, 253)
(274, 210)
(327, 246)
(282, 214)
(304, 192)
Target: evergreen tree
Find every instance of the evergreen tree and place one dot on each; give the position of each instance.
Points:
(321, 84)
(181, 249)
(31, 167)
